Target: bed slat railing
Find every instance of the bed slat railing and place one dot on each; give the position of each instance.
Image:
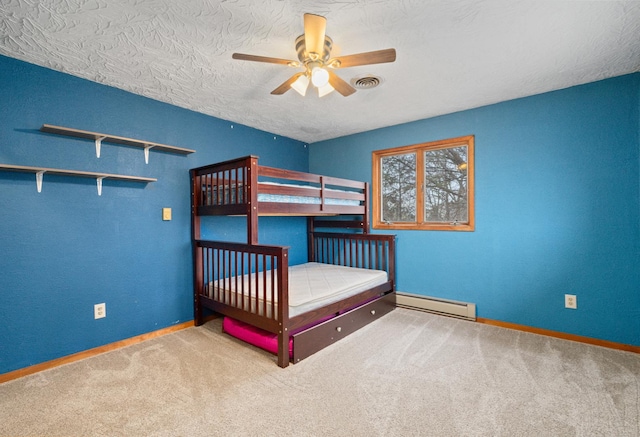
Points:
(246, 282)
(229, 182)
(368, 251)
(232, 188)
(222, 185)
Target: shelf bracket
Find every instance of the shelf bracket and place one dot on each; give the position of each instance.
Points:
(146, 153)
(98, 144)
(99, 184)
(39, 175)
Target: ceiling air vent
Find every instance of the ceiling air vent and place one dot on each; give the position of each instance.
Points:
(366, 82)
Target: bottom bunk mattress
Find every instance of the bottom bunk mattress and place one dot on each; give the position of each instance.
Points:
(311, 285)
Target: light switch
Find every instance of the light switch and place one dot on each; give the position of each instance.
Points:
(166, 214)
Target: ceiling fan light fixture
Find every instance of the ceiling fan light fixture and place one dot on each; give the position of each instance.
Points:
(301, 84)
(319, 77)
(314, 54)
(324, 90)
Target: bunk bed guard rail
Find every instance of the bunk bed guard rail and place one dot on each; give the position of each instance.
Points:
(232, 188)
(367, 251)
(243, 281)
(250, 282)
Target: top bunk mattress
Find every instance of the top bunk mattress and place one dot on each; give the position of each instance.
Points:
(234, 193)
(311, 285)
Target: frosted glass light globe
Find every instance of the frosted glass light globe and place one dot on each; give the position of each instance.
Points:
(319, 77)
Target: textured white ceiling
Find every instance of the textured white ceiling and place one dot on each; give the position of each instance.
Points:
(451, 54)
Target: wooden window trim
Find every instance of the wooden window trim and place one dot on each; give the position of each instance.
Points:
(419, 150)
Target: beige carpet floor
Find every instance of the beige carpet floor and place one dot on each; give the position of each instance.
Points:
(408, 374)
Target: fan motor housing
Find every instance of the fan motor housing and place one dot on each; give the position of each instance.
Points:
(303, 56)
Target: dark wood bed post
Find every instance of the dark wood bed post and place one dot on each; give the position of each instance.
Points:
(310, 239)
(283, 308)
(366, 223)
(197, 253)
(392, 261)
(252, 195)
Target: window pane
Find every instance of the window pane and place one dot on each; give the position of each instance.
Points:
(445, 185)
(399, 188)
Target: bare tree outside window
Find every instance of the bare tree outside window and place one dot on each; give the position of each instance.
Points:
(399, 188)
(425, 186)
(445, 185)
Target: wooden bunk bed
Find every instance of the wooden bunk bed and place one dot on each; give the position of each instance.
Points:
(253, 283)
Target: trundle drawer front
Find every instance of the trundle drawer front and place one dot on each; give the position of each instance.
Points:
(318, 337)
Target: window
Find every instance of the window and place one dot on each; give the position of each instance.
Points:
(425, 186)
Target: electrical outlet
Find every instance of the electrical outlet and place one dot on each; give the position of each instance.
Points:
(99, 310)
(166, 214)
(571, 301)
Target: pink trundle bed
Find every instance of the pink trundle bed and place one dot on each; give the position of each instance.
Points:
(292, 311)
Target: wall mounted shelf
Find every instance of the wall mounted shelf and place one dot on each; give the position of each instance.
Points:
(40, 171)
(99, 138)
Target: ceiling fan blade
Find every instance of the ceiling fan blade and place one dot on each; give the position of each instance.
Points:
(340, 85)
(376, 57)
(286, 85)
(243, 57)
(314, 32)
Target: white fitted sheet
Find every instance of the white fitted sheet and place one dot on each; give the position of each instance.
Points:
(311, 285)
(229, 194)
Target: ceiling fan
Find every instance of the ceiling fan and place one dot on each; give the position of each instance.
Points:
(314, 54)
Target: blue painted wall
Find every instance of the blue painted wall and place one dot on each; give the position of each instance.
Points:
(66, 249)
(557, 209)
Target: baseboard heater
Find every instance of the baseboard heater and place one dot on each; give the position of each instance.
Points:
(462, 310)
